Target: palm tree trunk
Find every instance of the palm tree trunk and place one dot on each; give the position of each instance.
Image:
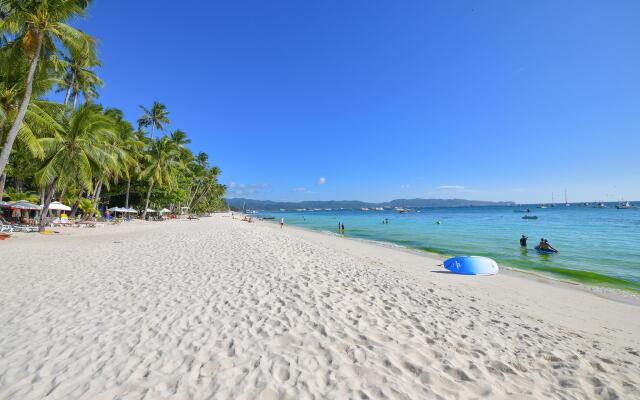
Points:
(17, 123)
(50, 190)
(96, 197)
(74, 209)
(95, 190)
(153, 130)
(75, 100)
(62, 193)
(146, 203)
(126, 199)
(67, 96)
(3, 178)
(195, 192)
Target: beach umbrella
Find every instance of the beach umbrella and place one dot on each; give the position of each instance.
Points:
(57, 206)
(117, 209)
(150, 210)
(4, 204)
(24, 205)
(164, 210)
(130, 210)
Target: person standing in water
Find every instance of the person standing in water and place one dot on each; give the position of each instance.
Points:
(523, 241)
(342, 228)
(281, 222)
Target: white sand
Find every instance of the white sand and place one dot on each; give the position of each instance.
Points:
(219, 308)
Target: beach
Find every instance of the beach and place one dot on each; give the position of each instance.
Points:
(219, 308)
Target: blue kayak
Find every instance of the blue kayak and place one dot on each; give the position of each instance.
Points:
(545, 251)
(471, 265)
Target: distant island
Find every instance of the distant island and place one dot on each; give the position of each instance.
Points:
(252, 204)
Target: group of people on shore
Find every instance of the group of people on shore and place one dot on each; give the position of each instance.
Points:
(341, 228)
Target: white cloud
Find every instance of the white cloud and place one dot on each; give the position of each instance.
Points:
(405, 186)
(300, 190)
(244, 189)
(322, 180)
(451, 188)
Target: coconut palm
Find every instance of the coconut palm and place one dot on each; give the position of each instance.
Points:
(75, 153)
(156, 117)
(79, 78)
(127, 148)
(39, 119)
(162, 165)
(40, 27)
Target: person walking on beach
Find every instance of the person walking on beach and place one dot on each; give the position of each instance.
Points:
(342, 228)
(523, 241)
(339, 227)
(281, 222)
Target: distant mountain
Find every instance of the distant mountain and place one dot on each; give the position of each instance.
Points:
(251, 204)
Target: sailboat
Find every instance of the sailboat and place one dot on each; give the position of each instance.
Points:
(566, 203)
(623, 205)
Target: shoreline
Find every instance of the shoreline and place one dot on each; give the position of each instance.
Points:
(623, 295)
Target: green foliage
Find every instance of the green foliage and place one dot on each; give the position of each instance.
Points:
(90, 153)
(88, 208)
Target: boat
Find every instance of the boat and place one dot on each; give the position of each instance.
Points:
(623, 205)
(406, 210)
(545, 251)
(542, 206)
(379, 209)
(364, 209)
(529, 217)
(566, 203)
(600, 205)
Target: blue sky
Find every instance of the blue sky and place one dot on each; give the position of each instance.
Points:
(375, 100)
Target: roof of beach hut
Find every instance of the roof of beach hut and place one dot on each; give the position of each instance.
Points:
(117, 209)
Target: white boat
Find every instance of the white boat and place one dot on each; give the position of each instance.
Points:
(624, 205)
(600, 205)
(379, 209)
(364, 209)
(566, 203)
(542, 206)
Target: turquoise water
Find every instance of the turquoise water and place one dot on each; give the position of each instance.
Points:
(596, 246)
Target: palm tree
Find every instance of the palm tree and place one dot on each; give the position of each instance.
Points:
(76, 152)
(162, 166)
(179, 137)
(127, 148)
(156, 117)
(40, 26)
(79, 78)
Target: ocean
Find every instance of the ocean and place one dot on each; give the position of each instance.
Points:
(598, 246)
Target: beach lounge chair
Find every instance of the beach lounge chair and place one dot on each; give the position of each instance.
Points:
(6, 228)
